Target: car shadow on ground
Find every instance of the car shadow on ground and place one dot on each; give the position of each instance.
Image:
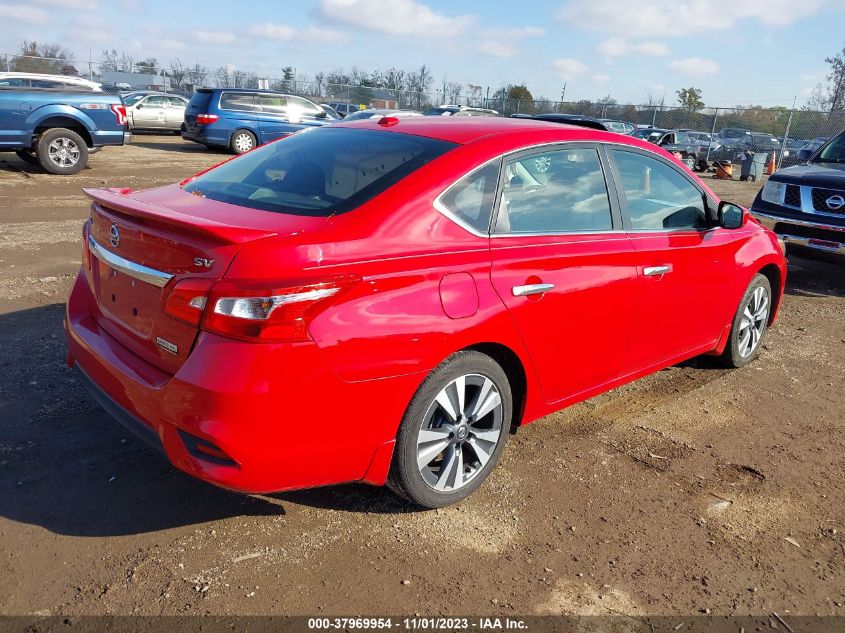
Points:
(67, 467)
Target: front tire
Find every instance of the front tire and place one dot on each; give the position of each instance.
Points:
(62, 151)
(749, 324)
(453, 431)
(242, 142)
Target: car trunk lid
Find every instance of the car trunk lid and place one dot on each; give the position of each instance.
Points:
(143, 244)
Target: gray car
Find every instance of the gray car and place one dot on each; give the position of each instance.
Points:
(156, 111)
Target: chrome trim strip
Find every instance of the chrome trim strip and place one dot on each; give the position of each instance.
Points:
(133, 269)
(806, 241)
(770, 220)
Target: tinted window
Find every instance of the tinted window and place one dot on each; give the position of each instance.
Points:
(318, 172)
(472, 198)
(298, 105)
(834, 152)
(275, 104)
(658, 196)
(46, 83)
(237, 101)
(17, 83)
(553, 192)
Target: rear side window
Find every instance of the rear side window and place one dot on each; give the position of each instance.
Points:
(318, 172)
(657, 196)
(471, 199)
(238, 101)
(555, 191)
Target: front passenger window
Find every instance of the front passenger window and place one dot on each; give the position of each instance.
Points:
(657, 196)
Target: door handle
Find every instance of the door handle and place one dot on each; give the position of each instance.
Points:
(531, 289)
(654, 271)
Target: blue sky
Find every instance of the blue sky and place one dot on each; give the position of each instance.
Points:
(741, 52)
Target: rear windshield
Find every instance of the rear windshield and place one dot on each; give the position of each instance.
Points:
(318, 172)
(199, 101)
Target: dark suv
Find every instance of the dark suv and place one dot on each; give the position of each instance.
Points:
(240, 119)
(805, 204)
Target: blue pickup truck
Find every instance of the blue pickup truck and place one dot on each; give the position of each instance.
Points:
(58, 129)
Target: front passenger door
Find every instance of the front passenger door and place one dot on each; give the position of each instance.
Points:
(149, 113)
(685, 263)
(563, 267)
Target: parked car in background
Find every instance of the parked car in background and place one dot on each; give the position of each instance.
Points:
(387, 304)
(649, 133)
(342, 108)
(805, 149)
(54, 82)
(331, 112)
(687, 148)
(568, 119)
(459, 110)
(620, 127)
(378, 113)
(705, 138)
(59, 129)
(732, 135)
(240, 120)
(805, 204)
(752, 142)
(156, 112)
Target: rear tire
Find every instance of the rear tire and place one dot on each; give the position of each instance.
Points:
(242, 142)
(62, 151)
(749, 324)
(453, 432)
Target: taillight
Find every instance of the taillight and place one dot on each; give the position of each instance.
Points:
(186, 302)
(206, 119)
(86, 250)
(120, 112)
(254, 311)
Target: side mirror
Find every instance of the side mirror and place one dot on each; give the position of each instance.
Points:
(730, 215)
(804, 155)
(139, 106)
(322, 114)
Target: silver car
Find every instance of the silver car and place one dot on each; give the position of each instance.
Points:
(155, 112)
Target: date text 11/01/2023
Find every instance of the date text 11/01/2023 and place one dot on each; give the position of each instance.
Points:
(418, 623)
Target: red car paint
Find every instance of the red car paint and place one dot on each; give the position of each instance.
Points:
(325, 409)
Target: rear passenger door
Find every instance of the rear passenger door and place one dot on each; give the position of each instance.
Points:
(685, 263)
(175, 113)
(272, 117)
(564, 267)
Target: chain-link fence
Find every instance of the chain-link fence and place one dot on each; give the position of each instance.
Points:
(723, 133)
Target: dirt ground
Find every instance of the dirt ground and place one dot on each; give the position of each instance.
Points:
(694, 489)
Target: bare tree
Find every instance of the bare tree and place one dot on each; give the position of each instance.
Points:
(453, 89)
(178, 73)
(52, 59)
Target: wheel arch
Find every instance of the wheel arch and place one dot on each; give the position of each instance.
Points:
(244, 128)
(67, 122)
(514, 369)
(773, 274)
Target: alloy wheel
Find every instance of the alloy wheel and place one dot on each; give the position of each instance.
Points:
(755, 315)
(63, 152)
(243, 142)
(460, 432)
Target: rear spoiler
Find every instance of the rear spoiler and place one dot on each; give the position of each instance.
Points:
(118, 201)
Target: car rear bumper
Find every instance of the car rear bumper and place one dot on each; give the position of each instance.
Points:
(812, 234)
(280, 417)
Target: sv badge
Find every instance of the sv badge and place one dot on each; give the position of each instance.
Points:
(203, 262)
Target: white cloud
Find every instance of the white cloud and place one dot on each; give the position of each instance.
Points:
(285, 33)
(601, 78)
(568, 68)
(29, 15)
(395, 17)
(619, 47)
(695, 66)
(75, 5)
(505, 43)
(214, 37)
(657, 18)
(132, 5)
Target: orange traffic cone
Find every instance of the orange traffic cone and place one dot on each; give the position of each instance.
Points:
(772, 165)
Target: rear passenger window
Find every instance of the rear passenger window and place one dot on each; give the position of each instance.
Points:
(657, 196)
(237, 101)
(472, 198)
(274, 104)
(557, 191)
(176, 102)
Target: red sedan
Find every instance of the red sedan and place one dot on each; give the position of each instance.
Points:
(385, 301)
